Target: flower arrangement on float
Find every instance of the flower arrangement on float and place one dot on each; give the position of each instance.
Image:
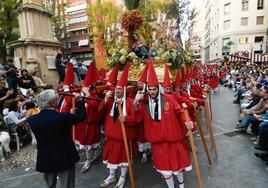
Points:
(136, 38)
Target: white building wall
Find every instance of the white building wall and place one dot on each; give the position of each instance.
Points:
(214, 27)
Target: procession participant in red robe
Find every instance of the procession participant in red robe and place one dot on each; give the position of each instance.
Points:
(88, 132)
(187, 92)
(114, 153)
(164, 127)
(180, 99)
(66, 101)
(143, 144)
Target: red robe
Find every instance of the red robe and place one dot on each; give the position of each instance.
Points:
(114, 153)
(213, 81)
(182, 99)
(170, 153)
(66, 104)
(88, 132)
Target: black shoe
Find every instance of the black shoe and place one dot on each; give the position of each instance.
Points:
(259, 147)
(236, 102)
(264, 158)
(259, 155)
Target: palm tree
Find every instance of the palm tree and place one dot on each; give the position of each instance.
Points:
(8, 21)
(131, 19)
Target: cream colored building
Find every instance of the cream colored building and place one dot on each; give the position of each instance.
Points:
(195, 37)
(244, 22)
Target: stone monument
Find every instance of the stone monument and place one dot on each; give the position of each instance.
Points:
(36, 48)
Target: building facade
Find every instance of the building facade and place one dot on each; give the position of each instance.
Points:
(233, 27)
(195, 37)
(78, 41)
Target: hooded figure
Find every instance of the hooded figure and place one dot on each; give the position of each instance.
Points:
(114, 153)
(165, 128)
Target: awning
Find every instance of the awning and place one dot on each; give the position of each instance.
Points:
(83, 42)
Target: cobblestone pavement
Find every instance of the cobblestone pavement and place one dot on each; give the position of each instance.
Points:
(236, 166)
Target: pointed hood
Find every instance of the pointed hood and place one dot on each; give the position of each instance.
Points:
(151, 77)
(113, 75)
(144, 74)
(167, 82)
(195, 71)
(69, 75)
(88, 80)
(178, 78)
(123, 79)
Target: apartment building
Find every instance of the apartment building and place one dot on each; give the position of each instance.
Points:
(243, 22)
(195, 37)
(78, 41)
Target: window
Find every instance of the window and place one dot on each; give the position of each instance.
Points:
(260, 4)
(244, 5)
(227, 24)
(75, 43)
(243, 40)
(259, 39)
(78, 32)
(227, 8)
(225, 41)
(244, 21)
(260, 20)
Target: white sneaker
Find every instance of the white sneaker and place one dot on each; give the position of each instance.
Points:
(86, 166)
(108, 181)
(121, 182)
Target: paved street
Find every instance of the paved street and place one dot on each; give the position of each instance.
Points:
(236, 167)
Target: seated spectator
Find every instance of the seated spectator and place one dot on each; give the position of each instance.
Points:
(258, 109)
(26, 81)
(38, 81)
(5, 93)
(15, 117)
(31, 96)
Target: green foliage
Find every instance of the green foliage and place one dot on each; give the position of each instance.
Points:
(150, 8)
(177, 57)
(227, 47)
(132, 4)
(8, 22)
(58, 18)
(121, 56)
(102, 15)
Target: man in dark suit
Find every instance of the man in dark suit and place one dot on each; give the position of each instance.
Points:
(56, 152)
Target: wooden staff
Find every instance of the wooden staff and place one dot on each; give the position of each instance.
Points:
(211, 132)
(210, 106)
(190, 134)
(73, 127)
(131, 174)
(202, 134)
(86, 98)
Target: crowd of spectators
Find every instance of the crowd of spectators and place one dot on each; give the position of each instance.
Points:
(17, 103)
(249, 82)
